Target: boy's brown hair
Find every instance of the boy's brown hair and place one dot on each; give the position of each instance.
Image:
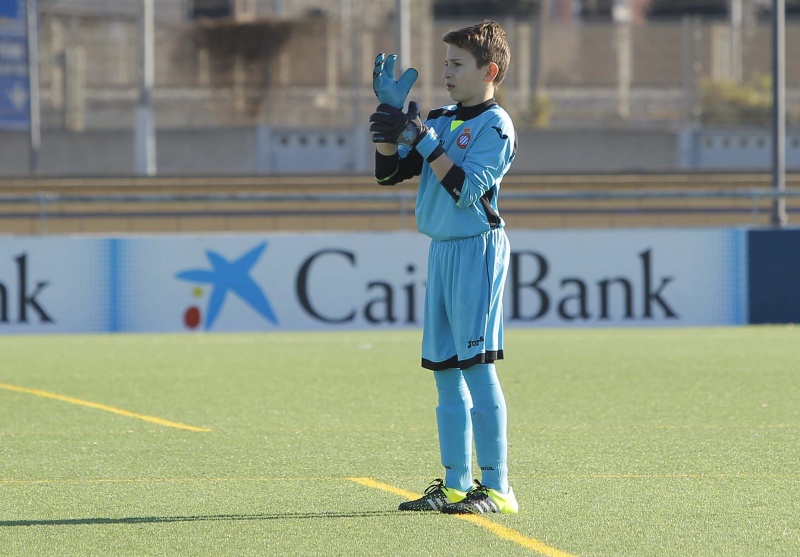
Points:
(487, 42)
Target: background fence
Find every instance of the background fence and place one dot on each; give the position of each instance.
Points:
(313, 68)
(287, 90)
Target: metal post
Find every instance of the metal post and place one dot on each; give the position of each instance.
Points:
(57, 68)
(403, 35)
(332, 64)
(35, 143)
(779, 217)
(352, 18)
(622, 39)
(75, 89)
(737, 73)
(524, 66)
(538, 13)
(145, 128)
(429, 66)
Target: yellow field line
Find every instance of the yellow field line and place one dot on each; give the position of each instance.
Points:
(91, 481)
(104, 407)
(496, 529)
(391, 489)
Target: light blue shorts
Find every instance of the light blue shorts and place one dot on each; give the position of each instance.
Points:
(464, 301)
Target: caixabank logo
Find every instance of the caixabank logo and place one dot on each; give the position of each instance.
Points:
(224, 278)
(21, 295)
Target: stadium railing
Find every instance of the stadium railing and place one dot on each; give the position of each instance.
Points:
(199, 205)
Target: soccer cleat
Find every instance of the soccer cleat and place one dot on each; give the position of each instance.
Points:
(437, 495)
(482, 499)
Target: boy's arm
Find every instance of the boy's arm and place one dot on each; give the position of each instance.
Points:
(488, 157)
(466, 185)
(442, 166)
(386, 164)
(481, 170)
(390, 127)
(391, 168)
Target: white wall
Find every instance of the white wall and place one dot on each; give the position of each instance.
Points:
(253, 151)
(735, 149)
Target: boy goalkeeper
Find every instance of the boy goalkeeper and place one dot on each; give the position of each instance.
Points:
(461, 153)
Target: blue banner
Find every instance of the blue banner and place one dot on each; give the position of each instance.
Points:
(11, 9)
(14, 89)
(774, 276)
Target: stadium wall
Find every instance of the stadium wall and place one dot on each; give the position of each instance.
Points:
(243, 151)
(268, 150)
(314, 281)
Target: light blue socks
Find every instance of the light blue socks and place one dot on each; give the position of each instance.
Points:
(472, 400)
(455, 428)
(489, 421)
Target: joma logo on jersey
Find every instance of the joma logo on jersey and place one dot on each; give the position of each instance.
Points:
(463, 140)
(474, 343)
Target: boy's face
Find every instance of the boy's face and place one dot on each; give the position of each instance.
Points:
(465, 81)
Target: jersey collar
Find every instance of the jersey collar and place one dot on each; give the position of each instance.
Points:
(469, 112)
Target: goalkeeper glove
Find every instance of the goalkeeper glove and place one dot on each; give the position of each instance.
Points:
(391, 125)
(386, 88)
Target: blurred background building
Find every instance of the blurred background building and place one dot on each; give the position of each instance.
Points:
(279, 86)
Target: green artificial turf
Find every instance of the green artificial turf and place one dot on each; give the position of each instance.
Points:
(623, 442)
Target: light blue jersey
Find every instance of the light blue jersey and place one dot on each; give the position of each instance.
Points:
(481, 143)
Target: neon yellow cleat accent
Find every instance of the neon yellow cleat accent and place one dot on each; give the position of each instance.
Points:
(506, 503)
(482, 499)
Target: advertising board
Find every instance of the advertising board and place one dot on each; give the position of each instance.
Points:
(323, 281)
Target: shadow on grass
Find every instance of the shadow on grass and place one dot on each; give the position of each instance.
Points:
(219, 517)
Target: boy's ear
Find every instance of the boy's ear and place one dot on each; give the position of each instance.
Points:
(491, 72)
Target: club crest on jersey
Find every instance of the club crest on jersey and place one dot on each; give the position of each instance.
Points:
(463, 140)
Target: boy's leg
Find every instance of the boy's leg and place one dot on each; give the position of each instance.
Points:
(455, 444)
(455, 428)
(494, 495)
(489, 422)
(476, 298)
(438, 349)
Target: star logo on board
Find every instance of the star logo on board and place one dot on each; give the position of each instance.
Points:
(227, 277)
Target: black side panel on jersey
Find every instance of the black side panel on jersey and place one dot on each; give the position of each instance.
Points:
(491, 215)
(514, 152)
